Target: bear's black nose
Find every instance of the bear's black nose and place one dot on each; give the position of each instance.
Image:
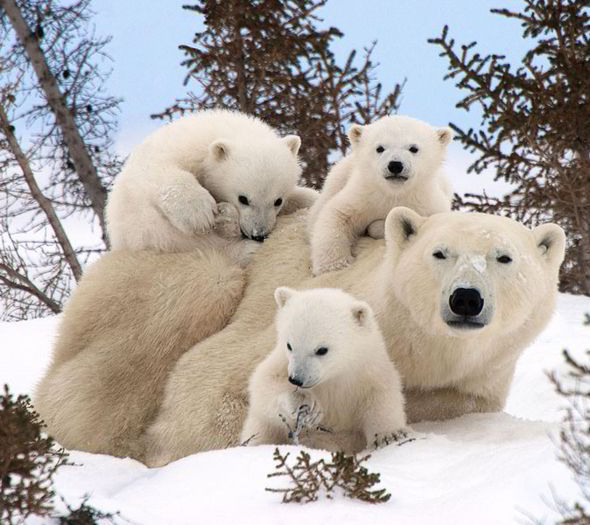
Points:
(295, 381)
(466, 302)
(258, 238)
(395, 167)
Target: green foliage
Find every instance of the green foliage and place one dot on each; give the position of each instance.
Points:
(309, 479)
(28, 461)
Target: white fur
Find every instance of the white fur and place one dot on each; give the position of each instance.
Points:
(361, 190)
(447, 371)
(353, 388)
(116, 369)
(166, 196)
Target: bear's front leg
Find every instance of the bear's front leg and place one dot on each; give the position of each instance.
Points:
(227, 226)
(299, 198)
(280, 421)
(332, 237)
(187, 205)
(299, 411)
(446, 403)
(385, 419)
(227, 221)
(258, 430)
(376, 229)
(289, 404)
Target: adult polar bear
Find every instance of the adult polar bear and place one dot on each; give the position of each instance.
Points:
(457, 296)
(101, 391)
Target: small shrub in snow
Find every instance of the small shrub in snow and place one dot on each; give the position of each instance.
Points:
(342, 473)
(574, 438)
(28, 461)
(85, 515)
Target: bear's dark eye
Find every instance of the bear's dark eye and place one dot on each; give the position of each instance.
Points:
(413, 148)
(244, 200)
(439, 255)
(278, 202)
(504, 259)
(380, 149)
(289, 347)
(322, 350)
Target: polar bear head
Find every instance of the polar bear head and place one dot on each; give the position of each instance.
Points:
(470, 275)
(324, 333)
(256, 177)
(398, 152)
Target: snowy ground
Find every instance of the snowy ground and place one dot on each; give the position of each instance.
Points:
(485, 468)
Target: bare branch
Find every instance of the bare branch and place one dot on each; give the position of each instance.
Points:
(36, 193)
(85, 168)
(23, 283)
(40, 187)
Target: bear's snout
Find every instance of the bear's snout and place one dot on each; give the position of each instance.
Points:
(466, 302)
(395, 167)
(295, 381)
(396, 171)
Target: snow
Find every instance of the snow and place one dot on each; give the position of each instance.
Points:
(475, 262)
(480, 468)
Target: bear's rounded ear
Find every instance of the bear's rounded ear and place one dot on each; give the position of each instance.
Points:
(361, 313)
(283, 294)
(401, 226)
(219, 150)
(445, 135)
(550, 240)
(293, 142)
(355, 133)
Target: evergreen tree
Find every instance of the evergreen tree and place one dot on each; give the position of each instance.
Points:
(269, 58)
(535, 126)
(28, 461)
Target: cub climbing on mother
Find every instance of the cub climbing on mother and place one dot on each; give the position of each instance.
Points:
(395, 161)
(204, 182)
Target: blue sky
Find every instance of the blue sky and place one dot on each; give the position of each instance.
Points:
(148, 75)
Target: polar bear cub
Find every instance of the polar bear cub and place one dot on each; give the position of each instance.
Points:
(329, 357)
(394, 161)
(166, 197)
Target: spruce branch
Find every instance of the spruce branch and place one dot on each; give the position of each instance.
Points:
(342, 473)
(534, 131)
(271, 59)
(28, 461)
(574, 436)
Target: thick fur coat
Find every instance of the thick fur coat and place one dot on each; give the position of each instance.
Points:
(329, 372)
(395, 161)
(128, 321)
(167, 194)
(129, 304)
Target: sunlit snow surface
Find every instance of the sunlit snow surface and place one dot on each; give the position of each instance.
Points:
(483, 468)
